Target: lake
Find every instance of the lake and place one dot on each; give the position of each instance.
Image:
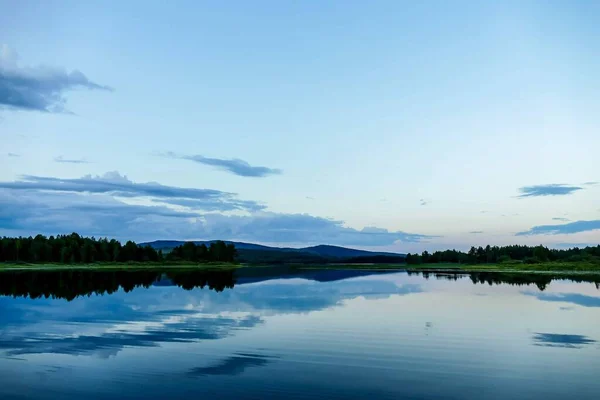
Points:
(266, 333)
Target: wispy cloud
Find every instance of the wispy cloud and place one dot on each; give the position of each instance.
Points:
(208, 205)
(303, 228)
(560, 219)
(100, 206)
(554, 189)
(572, 227)
(112, 183)
(590, 183)
(235, 166)
(61, 159)
(476, 232)
(13, 155)
(573, 245)
(38, 88)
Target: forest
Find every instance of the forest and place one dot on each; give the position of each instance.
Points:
(75, 249)
(507, 254)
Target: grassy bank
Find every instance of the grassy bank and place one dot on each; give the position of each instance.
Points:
(580, 266)
(555, 266)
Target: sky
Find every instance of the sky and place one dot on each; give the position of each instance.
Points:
(390, 125)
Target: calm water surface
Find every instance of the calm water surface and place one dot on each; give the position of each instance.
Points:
(319, 334)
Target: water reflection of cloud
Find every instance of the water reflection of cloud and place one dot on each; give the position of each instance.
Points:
(309, 296)
(110, 343)
(233, 365)
(104, 325)
(573, 298)
(561, 340)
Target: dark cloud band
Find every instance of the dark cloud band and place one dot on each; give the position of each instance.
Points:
(61, 159)
(572, 227)
(38, 88)
(235, 166)
(554, 189)
(99, 206)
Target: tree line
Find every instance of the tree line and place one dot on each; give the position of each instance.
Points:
(75, 249)
(503, 254)
(216, 251)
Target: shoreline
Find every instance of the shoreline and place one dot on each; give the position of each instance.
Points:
(115, 266)
(542, 268)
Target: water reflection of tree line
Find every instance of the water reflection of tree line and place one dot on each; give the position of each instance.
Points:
(518, 279)
(74, 283)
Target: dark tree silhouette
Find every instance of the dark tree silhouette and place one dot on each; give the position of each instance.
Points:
(218, 251)
(506, 254)
(75, 249)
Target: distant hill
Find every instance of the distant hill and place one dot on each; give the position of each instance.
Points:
(169, 244)
(344, 252)
(256, 253)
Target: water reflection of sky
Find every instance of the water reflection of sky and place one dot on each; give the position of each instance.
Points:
(573, 298)
(362, 336)
(147, 318)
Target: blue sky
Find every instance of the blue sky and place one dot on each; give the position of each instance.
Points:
(384, 125)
